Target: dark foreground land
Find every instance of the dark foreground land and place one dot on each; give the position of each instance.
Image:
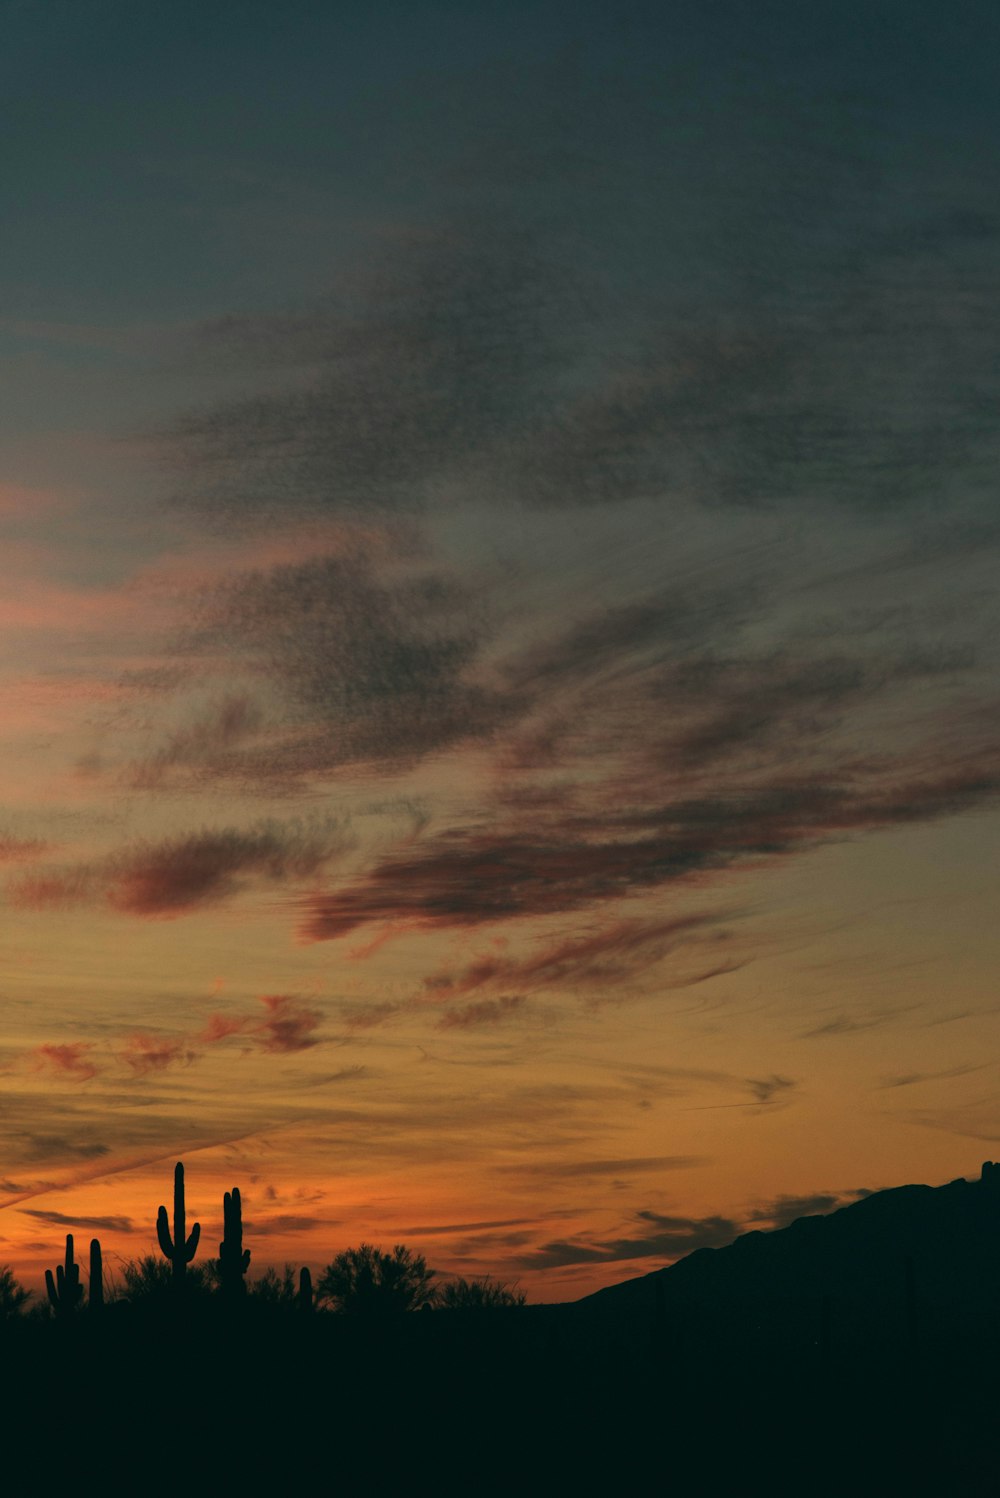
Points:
(852, 1354)
(540, 1400)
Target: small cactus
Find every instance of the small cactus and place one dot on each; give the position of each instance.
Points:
(179, 1249)
(305, 1295)
(65, 1290)
(234, 1259)
(95, 1290)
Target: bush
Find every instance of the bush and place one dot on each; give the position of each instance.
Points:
(150, 1278)
(364, 1281)
(479, 1295)
(276, 1289)
(13, 1295)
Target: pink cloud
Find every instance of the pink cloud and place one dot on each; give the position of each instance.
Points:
(288, 1025)
(607, 955)
(69, 1060)
(486, 1012)
(220, 1026)
(175, 876)
(148, 1053)
(474, 876)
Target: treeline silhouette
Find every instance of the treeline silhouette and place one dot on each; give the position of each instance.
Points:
(363, 1281)
(733, 1368)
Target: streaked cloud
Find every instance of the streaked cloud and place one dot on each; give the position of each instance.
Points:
(177, 875)
(144, 1053)
(654, 1236)
(89, 1224)
(72, 1059)
(468, 877)
(485, 1012)
(423, 373)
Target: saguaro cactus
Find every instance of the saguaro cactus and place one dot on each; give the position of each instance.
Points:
(305, 1295)
(234, 1260)
(179, 1249)
(65, 1290)
(95, 1289)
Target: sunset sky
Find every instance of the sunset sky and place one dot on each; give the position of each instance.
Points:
(499, 630)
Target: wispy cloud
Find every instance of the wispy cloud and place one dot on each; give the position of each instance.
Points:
(468, 877)
(615, 951)
(207, 747)
(178, 875)
(654, 1236)
(90, 1224)
(376, 664)
(144, 1053)
(582, 1169)
(284, 1223)
(287, 1025)
(72, 1059)
(849, 1024)
(437, 364)
(767, 1089)
(485, 1012)
(783, 1210)
(913, 1079)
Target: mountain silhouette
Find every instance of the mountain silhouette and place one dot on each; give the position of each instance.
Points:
(892, 1264)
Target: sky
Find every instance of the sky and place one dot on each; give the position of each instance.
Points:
(498, 622)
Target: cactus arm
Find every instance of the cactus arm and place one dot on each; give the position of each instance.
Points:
(191, 1246)
(163, 1234)
(51, 1288)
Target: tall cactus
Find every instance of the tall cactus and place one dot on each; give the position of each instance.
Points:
(95, 1289)
(305, 1295)
(65, 1290)
(234, 1260)
(179, 1249)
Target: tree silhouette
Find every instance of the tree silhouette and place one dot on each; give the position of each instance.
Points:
(364, 1281)
(274, 1288)
(485, 1294)
(13, 1295)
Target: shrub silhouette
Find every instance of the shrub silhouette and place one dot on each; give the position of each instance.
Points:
(151, 1279)
(364, 1281)
(13, 1295)
(276, 1289)
(484, 1294)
